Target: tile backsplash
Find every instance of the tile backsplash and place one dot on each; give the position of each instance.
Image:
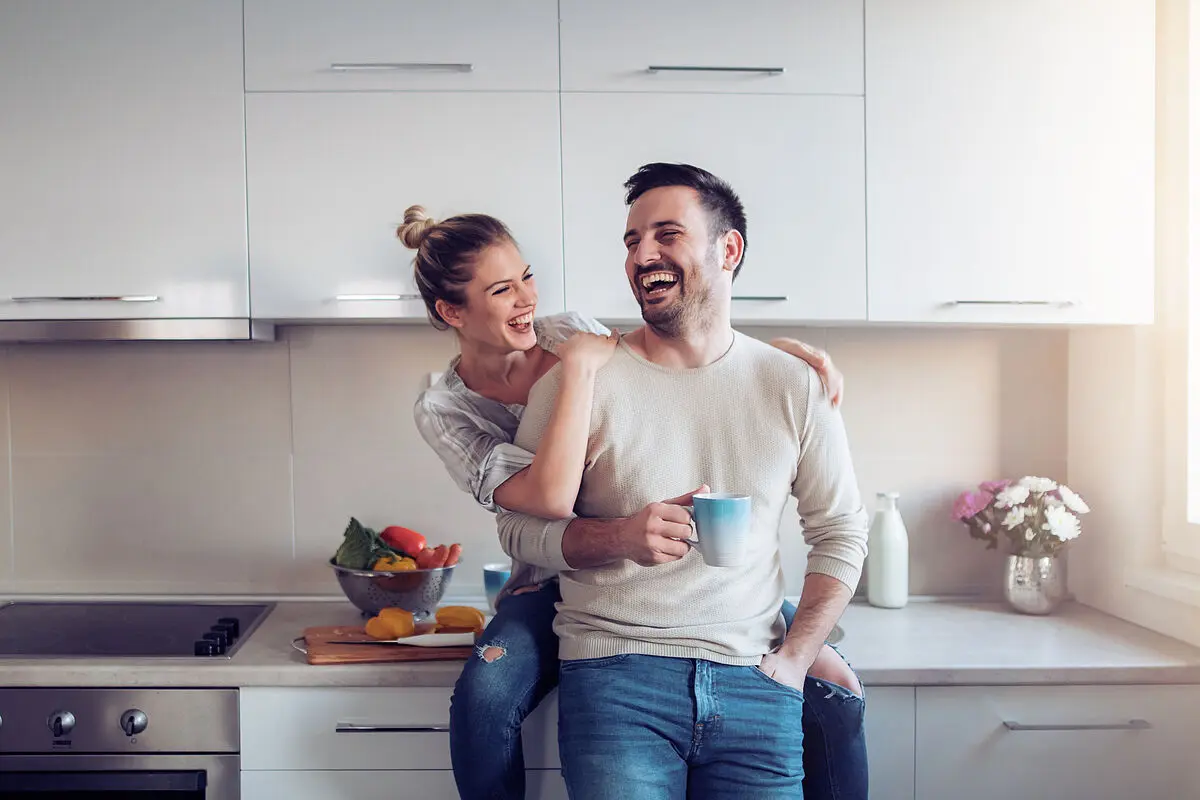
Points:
(207, 468)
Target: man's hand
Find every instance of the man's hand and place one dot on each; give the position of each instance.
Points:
(788, 665)
(655, 534)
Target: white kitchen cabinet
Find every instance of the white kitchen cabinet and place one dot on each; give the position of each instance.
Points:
(795, 161)
(891, 747)
(381, 785)
(122, 140)
(1010, 160)
(1065, 742)
(765, 46)
(330, 175)
(355, 45)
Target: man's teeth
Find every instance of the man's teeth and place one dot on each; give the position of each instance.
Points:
(658, 277)
(525, 319)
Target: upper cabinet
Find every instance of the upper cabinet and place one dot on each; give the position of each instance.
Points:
(796, 162)
(356, 45)
(122, 136)
(331, 173)
(1010, 160)
(766, 46)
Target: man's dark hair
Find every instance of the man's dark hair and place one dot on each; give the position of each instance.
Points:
(724, 207)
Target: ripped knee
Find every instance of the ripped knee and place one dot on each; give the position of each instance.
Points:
(832, 668)
(490, 653)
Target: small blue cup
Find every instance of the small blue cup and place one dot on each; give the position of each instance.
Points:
(722, 526)
(494, 578)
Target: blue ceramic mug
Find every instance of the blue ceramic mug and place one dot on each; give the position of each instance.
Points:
(722, 521)
(494, 578)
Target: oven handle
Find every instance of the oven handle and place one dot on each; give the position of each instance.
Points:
(131, 783)
(350, 727)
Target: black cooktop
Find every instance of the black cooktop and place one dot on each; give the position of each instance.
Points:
(125, 630)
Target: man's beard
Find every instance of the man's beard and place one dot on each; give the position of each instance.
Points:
(689, 313)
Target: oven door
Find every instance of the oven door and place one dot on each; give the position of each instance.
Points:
(109, 777)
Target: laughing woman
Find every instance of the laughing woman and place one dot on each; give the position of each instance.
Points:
(473, 279)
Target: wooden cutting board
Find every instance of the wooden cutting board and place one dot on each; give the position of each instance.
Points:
(325, 645)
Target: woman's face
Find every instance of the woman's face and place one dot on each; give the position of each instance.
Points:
(501, 299)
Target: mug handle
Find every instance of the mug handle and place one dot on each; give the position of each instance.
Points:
(694, 542)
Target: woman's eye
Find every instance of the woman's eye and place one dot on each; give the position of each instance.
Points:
(501, 290)
(528, 276)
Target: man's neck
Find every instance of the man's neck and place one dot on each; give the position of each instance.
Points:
(686, 351)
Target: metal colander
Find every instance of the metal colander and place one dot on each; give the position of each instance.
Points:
(416, 590)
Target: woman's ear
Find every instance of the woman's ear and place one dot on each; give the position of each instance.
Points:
(449, 312)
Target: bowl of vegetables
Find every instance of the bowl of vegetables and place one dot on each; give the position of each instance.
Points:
(394, 568)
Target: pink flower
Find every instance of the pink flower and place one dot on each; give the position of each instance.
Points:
(994, 487)
(969, 504)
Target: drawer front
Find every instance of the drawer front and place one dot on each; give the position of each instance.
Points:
(1063, 742)
(355, 45)
(759, 46)
(345, 729)
(380, 785)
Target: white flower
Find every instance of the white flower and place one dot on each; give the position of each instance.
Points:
(1011, 496)
(1036, 484)
(1063, 523)
(1073, 501)
(1013, 518)
(1029, 535)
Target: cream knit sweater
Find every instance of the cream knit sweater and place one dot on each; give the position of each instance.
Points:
(756, 421)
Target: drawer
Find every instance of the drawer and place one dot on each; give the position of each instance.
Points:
(356, 45)
(380, 785)
(758, 46)
(367, 729)
(1063, 742)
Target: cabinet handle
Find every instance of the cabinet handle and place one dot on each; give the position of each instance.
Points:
(400, 66)
(348, 727)
(767, 298)
(1131, 725)
(358, 298)
(1010, 302)
(117, 298)
(653, 68)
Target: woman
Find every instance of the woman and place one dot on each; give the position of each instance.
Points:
(473, 279)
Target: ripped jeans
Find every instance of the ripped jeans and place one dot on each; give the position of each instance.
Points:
(516, 666)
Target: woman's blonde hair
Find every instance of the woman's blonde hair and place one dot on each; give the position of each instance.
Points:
(446, 253)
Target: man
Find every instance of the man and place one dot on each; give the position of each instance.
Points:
(676, 676)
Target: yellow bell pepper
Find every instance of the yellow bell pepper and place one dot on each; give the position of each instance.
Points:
(464, 617)
(394, 564)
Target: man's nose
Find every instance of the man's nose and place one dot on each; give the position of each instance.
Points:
(647, 251)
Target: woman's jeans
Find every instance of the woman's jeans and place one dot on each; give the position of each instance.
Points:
(516, 665)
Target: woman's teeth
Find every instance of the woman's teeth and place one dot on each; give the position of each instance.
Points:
(522, 322)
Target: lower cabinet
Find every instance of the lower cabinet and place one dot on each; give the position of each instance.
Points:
(891, 750)
(1062, 742)
(380, 785)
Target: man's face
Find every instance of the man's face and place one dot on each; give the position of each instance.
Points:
(670, 261)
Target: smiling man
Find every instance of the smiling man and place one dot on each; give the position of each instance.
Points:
(680, 678)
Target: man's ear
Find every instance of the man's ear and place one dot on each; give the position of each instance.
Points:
(733, 248)
(449, 312)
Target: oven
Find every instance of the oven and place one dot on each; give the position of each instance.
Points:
(110, 743)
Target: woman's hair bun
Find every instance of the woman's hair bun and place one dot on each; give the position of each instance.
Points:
(416, 226)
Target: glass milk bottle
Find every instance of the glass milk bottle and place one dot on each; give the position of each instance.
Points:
(887, 555)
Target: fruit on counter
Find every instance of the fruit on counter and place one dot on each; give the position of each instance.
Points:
(391, 623)
(453, 554)
(394, 564)
(460, 618)
(403, 540)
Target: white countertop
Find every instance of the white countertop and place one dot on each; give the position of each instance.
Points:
(927, 643)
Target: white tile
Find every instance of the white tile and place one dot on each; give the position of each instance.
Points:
(147, 398)
(170, 523)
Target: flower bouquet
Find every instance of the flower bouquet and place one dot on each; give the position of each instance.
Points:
(1036, 515)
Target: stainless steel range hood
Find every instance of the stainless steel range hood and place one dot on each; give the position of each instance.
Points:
(126, 330)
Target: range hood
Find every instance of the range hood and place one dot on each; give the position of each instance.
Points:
(128, 330)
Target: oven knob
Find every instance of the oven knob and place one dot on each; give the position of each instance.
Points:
(61, 723)
(133, 722)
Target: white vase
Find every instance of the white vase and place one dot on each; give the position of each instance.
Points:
(887, 555)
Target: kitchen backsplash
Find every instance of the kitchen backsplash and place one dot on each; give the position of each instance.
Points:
(233, 468)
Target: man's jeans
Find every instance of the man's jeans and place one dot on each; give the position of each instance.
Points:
(672, 728)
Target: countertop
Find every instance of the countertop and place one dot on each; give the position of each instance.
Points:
(926, 643)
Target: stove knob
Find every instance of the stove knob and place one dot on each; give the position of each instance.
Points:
(218, 640)
(133, 722)
(61, 723)
(235, 627)
(1, 722)
(218, 635)
(230, 629)
(206, 647)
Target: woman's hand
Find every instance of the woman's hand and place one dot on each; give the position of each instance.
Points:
(819, 360)
(588, 352)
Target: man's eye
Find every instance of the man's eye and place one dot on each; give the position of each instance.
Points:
(631, 243)
(670, 234)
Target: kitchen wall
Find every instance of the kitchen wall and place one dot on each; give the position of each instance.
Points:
(233, 468)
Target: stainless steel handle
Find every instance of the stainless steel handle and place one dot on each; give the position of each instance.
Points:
(1131, 725)
(116, 298)
(358, 298)
(766, 298)
(694, 68)
(401, 66)
(1010, 302)
(349, 727)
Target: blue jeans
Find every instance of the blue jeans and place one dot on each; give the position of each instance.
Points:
(492, 698)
